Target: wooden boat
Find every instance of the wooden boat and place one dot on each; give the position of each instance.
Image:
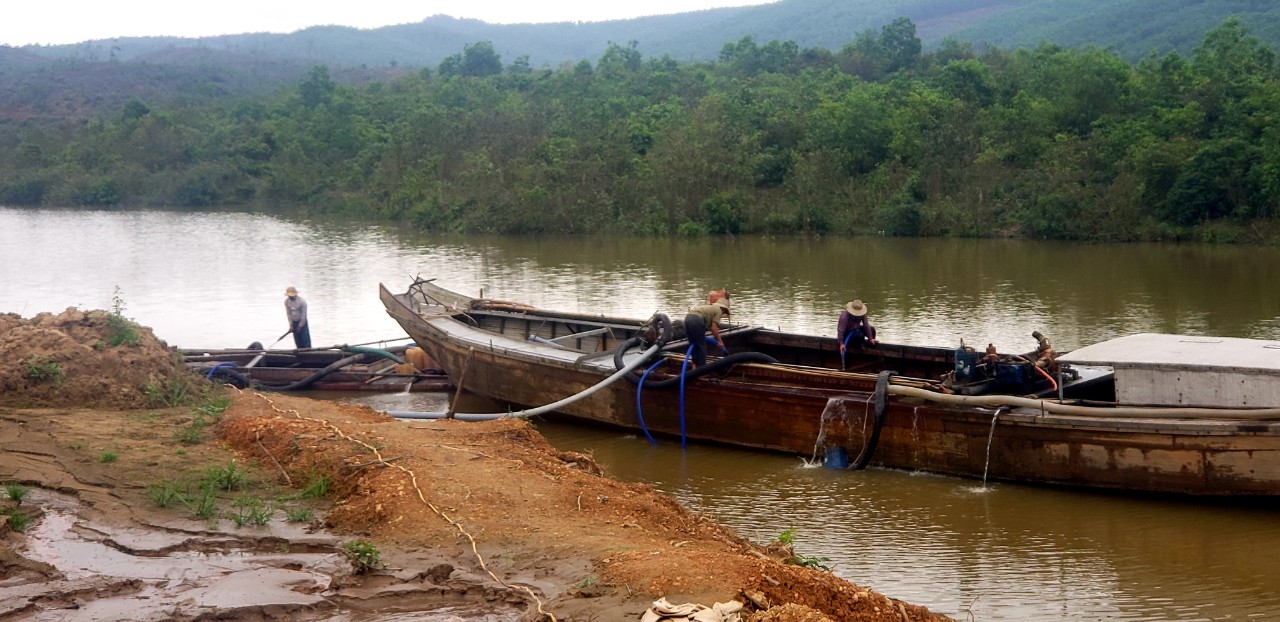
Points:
(944, 410)
(339, 368)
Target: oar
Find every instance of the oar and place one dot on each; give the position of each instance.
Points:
(264, 352)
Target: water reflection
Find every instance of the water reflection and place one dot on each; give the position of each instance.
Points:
(217, 279)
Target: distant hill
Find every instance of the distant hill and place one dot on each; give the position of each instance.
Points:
(73, 80)
(1132, 27)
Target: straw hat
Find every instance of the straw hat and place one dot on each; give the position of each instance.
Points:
(291, 291)
(856, 308)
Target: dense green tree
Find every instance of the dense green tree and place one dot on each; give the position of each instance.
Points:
(317, 88)
(1052, 142)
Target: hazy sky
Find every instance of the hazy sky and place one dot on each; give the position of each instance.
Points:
(70, 21)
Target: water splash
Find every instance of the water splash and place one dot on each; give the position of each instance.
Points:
(834, 408)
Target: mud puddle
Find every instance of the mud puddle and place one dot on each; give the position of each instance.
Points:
(75, 568)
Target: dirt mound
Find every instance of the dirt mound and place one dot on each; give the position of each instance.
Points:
(485, 516)
(496, 497)
(85, 358)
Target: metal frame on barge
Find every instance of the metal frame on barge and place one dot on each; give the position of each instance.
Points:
(887, 405)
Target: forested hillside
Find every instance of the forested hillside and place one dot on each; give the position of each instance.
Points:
(879, 137)
(1134, 28)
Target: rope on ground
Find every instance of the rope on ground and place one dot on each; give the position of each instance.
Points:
(413, 479)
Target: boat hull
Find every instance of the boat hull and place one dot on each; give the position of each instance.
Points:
(284, 368)
(805, 412)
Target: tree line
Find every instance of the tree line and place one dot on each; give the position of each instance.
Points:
(878, 137)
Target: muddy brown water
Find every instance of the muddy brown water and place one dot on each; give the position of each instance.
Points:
(211, 569)
(999, 552)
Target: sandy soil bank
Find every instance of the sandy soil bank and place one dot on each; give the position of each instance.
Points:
(281, 507)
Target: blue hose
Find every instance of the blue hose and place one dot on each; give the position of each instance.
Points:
(723, 349)
(639, 409)
(847, 337)
(209, 374)
(683, 370)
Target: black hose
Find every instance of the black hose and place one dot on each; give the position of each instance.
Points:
(622, 349)
(309, 380)
(882, 404)
(665, 335)
(666, 383)
(657, 335)
(231, 376)
(244, 381)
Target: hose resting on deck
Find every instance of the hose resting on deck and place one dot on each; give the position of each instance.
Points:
(533, 412)
(1122, 412)
(714, 366)
(244, 381)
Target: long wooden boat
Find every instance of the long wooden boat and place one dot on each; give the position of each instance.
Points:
(319, 369)
(1155, 414)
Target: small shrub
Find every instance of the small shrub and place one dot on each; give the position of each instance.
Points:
(299, 514)
(121, 331)
(166, 493)
(17, 492)
(810, 561)
(207, 413)
(39, 368)
(252, 511)
(788, 539)
(317, 487)
(171, 391)
(108, 456)
(203, 504)
(18, 520)
(190, 434)
(213, 407)
(363, 555)
(227, 478)
(690, 229)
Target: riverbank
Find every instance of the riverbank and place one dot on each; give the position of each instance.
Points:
(284, 507)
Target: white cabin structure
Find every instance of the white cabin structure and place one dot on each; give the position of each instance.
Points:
(1188, 370)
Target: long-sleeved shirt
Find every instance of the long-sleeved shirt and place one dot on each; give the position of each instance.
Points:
(849, 321)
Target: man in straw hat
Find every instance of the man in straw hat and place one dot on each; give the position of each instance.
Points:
(698, 320)
(854, 328)
(295, 309)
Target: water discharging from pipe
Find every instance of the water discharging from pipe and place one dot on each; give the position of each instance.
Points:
(990, 435)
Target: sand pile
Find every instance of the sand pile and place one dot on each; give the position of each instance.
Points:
(87, 358)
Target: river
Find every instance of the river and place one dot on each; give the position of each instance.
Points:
(995, 552)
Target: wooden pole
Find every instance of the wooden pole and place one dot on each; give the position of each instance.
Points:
(453, 404)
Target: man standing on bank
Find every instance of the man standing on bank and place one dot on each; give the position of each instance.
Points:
(854, 328)
(295, 309)
(696, 323)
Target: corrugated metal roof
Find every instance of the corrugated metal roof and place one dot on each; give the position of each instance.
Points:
(1189, 351)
